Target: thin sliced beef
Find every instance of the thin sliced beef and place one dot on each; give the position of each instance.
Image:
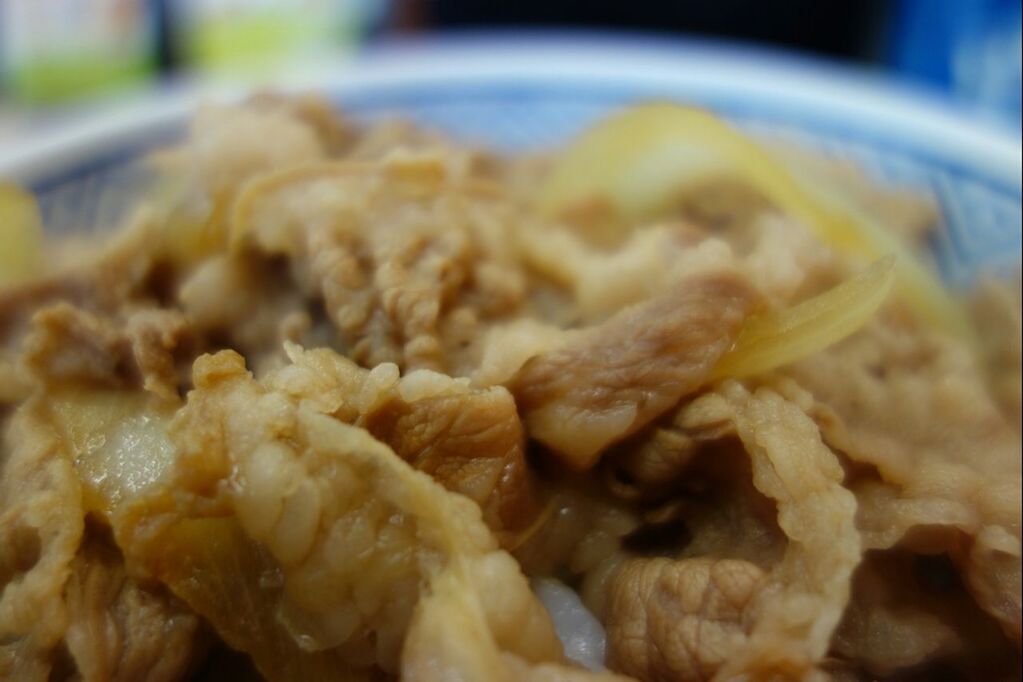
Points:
(625, 372)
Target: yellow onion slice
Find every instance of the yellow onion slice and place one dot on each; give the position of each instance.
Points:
(21, 234)
(780, 337)
(638, 160)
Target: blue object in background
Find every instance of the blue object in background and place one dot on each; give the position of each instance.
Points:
(969, 48)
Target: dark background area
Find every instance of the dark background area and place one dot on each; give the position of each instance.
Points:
(852, 29)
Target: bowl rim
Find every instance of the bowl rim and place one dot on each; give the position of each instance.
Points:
(791, 86)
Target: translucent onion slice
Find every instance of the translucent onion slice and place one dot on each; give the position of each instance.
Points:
(21, 234)
(780, 337)
(118, 440)
(639, 159)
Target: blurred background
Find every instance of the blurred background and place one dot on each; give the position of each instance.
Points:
(56, 55)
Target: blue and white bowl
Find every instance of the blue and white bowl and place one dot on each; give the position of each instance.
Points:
(528, 91)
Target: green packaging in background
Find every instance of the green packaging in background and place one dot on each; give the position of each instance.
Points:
(53, 51)
(58, 51)
(264, 36)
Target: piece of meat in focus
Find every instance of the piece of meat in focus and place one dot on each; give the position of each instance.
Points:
(620, 375)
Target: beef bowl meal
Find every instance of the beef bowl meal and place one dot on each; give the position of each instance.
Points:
(350, 400)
